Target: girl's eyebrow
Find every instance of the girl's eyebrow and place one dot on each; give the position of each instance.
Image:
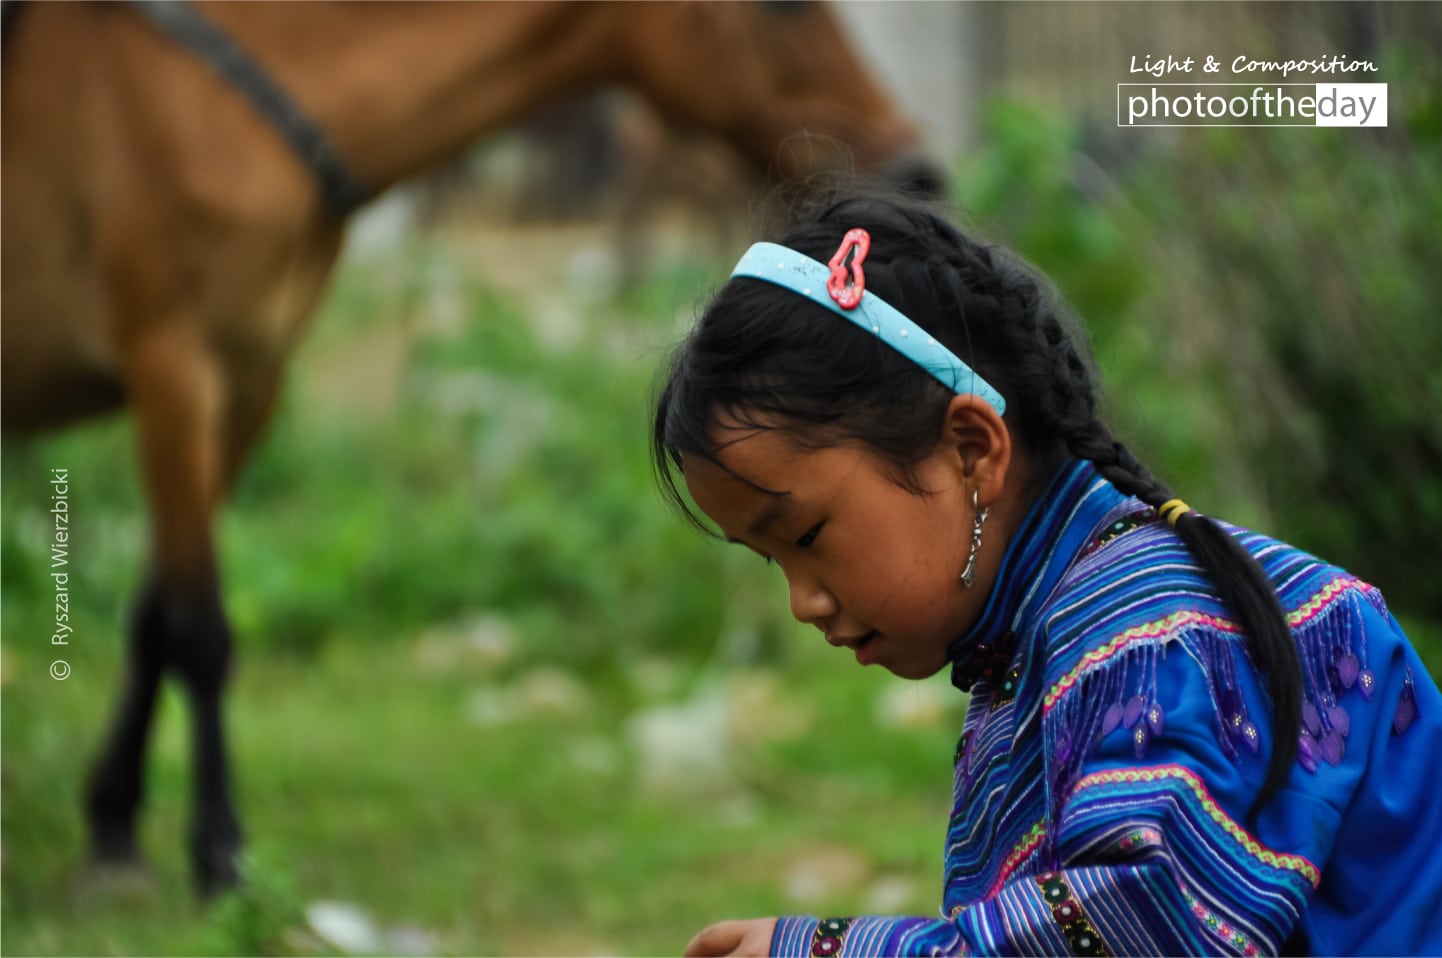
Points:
(765, 517)
(770, 514)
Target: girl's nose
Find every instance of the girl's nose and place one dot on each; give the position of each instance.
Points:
(810, 602)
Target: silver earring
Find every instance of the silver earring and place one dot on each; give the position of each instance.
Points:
(968, 575)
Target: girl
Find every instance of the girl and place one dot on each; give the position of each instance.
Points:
(1183, 737)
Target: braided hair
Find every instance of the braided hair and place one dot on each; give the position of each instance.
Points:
(761, 354)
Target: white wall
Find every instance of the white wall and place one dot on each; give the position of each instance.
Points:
(926, 54)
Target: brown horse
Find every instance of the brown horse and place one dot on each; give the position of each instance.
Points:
(164, 244)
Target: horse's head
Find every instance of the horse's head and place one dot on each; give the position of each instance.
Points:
(779, 80)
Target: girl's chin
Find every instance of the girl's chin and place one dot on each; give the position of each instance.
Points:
(916, 671)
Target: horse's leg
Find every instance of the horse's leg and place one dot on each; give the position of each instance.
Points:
(116, 785)
(177, 396)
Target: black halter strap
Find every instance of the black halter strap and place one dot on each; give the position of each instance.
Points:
(186, 25)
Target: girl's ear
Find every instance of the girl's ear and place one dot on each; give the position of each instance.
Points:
(977, 444)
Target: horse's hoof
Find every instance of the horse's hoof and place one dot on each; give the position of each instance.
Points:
(216, 873)
(113, 880)
(114, 848)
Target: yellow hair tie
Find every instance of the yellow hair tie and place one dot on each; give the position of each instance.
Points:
(1172, 510)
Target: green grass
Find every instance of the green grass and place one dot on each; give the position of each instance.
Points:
(367, 775)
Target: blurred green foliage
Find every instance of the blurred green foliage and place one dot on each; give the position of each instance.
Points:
(1261, 303)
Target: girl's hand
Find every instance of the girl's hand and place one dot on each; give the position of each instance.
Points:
(752, 938)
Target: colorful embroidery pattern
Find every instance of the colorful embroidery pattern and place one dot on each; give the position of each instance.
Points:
(826, 940)
(1219, 927)
(1141, 838)
(1122, 526)
(984, 662)
(1028, 844)
(1324, 597)
(1006, 689)
(1067, 912)
(1295, 863)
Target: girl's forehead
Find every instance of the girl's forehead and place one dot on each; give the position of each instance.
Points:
(771, 462)
(753, 462)
(774, 459)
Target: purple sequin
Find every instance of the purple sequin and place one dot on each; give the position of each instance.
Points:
(1140, 738)
(1112, 719)
(1133, 711)
(1306, 752)
(1347, 669)
(1311, 721)
(1367, 682)
(1251, 736)
(1063, 749)
(1339, 718)
(1333, 748)
(1406, 711)
(1156, 718)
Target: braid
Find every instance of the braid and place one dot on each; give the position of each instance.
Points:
(1241, 583)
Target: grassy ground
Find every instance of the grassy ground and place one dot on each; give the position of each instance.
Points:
(384, 776)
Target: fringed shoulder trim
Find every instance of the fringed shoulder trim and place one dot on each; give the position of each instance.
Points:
(1135, 596)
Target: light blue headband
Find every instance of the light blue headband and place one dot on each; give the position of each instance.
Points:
(802, 274)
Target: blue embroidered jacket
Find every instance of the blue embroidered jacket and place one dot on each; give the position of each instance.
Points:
(1117, 735)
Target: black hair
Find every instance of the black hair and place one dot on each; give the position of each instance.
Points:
(761, 355)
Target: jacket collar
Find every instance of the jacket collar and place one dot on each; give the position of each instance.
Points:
(1054, 532)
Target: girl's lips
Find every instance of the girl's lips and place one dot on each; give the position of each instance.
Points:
(867, 648)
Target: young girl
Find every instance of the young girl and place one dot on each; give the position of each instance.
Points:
(1183, 737)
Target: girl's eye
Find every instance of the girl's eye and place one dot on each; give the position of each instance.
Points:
(810, 535)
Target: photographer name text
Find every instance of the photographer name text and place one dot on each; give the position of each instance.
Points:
(59, 560)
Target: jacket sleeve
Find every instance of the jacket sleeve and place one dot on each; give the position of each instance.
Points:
(1144, 907)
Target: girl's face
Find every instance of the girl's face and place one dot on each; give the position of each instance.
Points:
(872, 565)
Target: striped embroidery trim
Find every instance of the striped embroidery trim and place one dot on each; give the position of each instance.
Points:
(1219, 927)
(1308, 610)
(1150, 630)
(1294, 863)
(1028, 844)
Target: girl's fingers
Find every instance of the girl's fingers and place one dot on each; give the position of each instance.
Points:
(751, 938)
(716, 940)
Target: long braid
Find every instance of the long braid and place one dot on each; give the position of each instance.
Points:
(1241, 583)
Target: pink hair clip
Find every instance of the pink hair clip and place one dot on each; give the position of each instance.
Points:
(848, 281)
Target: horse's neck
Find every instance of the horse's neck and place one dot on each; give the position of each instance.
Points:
(399, 87)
